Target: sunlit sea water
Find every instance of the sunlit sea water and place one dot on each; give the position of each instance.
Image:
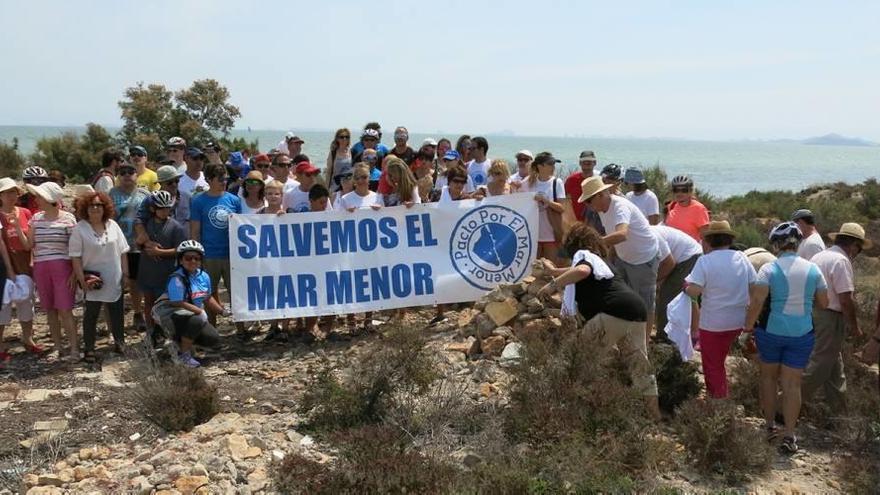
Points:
(722, 168)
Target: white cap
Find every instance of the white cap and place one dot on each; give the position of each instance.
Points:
(429, 142)
(525, 153)
(49, 191)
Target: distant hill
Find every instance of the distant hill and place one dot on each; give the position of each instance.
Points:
(837, 140)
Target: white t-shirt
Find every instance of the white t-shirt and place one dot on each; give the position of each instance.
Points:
(442, 182)
(725, 276)
(104, 184)
(479, 171)
(247, 210)
(393, 199)
(295, 201)
(545, 230)
(187, 184)
(355, 200)
(681, 246)
(811, 246)
(289, 184)
(100, 254)
(517, 179)
(647, 202)
(640, 245)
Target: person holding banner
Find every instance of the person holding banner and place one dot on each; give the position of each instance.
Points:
(499, 173)
(548, 190)
(403, 189)
(615, 315)
(457, 179)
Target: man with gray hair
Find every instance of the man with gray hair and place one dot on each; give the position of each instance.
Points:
(812, 243)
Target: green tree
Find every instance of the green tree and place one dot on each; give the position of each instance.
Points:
(11, 161)
(78, 156)
(151, 114)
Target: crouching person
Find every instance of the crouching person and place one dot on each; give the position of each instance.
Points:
(612, 310)
(182, 310)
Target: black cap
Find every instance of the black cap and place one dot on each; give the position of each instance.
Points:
(545, 157)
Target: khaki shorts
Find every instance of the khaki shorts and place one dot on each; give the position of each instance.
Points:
(218, 268)
(629, 337)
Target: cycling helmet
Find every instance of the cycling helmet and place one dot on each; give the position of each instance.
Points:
(190, 245)
(682, 181)
(786, 233)
(611, 171)
(34, 173)
(162, 199)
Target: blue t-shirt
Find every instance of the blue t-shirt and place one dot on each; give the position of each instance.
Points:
(127, 206)
(213, 213)
(199, 287)
(793, 283)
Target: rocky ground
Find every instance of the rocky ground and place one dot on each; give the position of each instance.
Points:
(70, 428)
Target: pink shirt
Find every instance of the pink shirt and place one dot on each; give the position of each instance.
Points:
(837, 269)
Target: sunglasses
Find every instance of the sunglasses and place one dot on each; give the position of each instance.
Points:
(282, 165)
(253, 182)
(370, 139)
(344, 137)
(172, 150)
(137, 155)
(347, 177)
(522, 159)
(124, 172)
(361, 177)
(681, 189)
(192, 257)
(262, 165)
(458, 181)
(371, 158)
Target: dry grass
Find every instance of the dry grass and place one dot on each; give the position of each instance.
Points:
(175, 398)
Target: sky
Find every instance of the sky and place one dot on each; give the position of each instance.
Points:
(682, 69)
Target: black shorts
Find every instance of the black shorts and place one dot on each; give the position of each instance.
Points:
(196, 329)
(134, 261)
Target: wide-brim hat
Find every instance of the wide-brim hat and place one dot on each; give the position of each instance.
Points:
(49, 191)
(591, 187)
(719, 227)
(6, 184)
(167, 173)
(852, 229)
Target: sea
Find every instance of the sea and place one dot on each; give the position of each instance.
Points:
(722, 168)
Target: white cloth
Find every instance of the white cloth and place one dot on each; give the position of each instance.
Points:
(355, 200)
(545, 188)
(640, 245)
(646, 202)
(102, 254)
(678, 325)
(837, 269)
(187, 184)
(682, 246)
(811, 246)
(8, 290)
(725, 276)
(601, 271)
(247, 210)
(23, 290)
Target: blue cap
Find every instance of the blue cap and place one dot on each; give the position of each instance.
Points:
(134, 150)
(235, 158)
(452, 155)
(633, 176)
(194, 152)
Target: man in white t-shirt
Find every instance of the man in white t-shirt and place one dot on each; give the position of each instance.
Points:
(832, 324)
(478, 168)
(523, 168)
(280, 171)
(812, 244)
(684, 251)
(630, 233)
(175, 149)
(296, 200)
(641, 196)
(193, 181)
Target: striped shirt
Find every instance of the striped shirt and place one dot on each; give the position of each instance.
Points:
(793, 283)
(51, 236)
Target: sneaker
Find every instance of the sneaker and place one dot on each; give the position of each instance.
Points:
(187, 359)
(438, 319)
(788, 445)
(772, 433)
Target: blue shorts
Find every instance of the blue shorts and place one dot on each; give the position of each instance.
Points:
(793, 352)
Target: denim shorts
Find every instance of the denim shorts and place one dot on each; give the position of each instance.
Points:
(793, 352)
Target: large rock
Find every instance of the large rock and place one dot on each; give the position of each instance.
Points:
(190, 485)
(239, 448)
(501, 312)
(470, 347)
(49, 480)
(493, 345)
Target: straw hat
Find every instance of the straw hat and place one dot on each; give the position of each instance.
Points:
(49, 191)
(852, 229)
(591, 187)
(6, 184)
(719, 227)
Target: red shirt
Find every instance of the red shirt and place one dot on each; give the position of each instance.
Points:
(573, 192)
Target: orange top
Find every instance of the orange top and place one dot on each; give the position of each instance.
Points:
(688, 219)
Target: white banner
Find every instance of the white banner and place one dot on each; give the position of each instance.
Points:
(322, 263)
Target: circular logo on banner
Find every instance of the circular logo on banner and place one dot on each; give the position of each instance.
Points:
(491, 245)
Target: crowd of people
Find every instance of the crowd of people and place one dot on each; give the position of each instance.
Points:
(158, 230)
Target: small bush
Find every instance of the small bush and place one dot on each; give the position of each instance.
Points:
(860, 473)
(175, 397)
(372, 459)
(745, 378)
(364, 395)
(717, 439)
(677, 381)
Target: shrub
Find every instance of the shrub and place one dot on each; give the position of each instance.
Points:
(677, 381)
(860, 473)
(11, 161)
(175, 397)
(78, 156)
(745, 378)
(401, 366)
(372, 459)
(717, 439)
